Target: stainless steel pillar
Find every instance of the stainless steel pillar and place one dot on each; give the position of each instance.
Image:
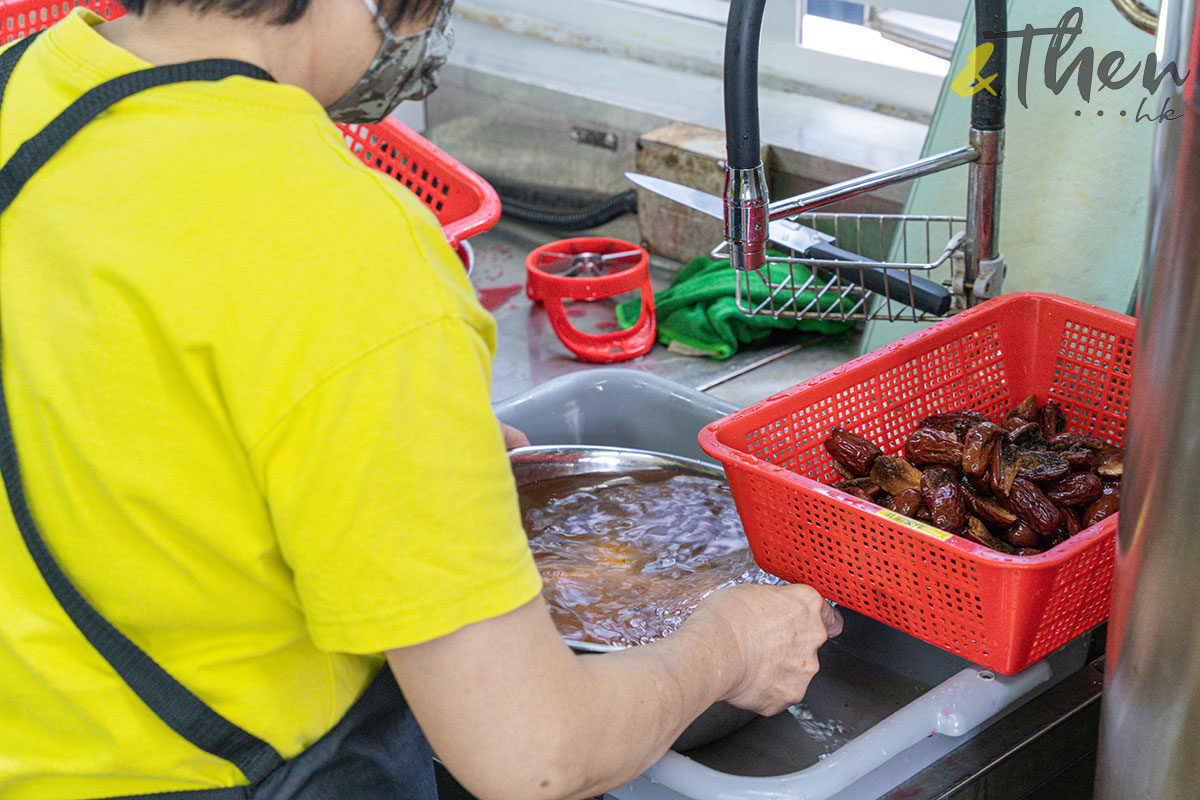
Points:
(1150, 718)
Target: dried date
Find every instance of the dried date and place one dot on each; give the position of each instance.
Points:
(906, 502)
(1018, 485)
(930, 447)
(1032, 506)
(947, 507)
(982, 484)
(865, 485)
(1112, 464)
(1042, 466)
(851, 451)
(1070, 441)
(1010, 424)
(977, 532)
(895, 474)
(1055, 539)
(1050, 419)
(1026, 435)
(977, 448)
(1078, 457)
(1071, 524)
(934, 477)
(1004, 468)
(1081, 487)
(1028, 551)
(845, 473)
(987, 509)
(1027, 410)
(1021, 535)
(1108, 503)
(956, 422)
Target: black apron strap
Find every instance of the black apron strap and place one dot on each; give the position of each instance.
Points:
(235, 793)
(8, 60)
(185, 713)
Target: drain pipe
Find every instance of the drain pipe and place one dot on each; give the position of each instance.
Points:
(983, 268)
(1150, 708)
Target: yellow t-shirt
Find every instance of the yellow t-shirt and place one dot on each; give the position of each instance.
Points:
(249, 389)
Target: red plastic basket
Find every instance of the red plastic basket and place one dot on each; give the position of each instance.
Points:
(1002, 612)
(464, 203)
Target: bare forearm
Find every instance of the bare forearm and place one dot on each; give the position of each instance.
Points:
(514, 713)
(638, 702)
(550, 724)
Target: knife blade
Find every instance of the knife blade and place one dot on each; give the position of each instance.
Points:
(896, 284)
(783, 232)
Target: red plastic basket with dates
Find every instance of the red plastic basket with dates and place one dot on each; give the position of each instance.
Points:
(464, 203)
(1001, 610)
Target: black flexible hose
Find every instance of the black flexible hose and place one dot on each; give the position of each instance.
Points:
(987, 109)
(741, 83)
(575, 220)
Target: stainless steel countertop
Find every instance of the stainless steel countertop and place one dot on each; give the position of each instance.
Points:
(529, 352)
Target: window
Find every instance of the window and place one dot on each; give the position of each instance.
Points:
(891, 53)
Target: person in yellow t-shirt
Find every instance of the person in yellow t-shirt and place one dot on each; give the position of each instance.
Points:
(247, 382)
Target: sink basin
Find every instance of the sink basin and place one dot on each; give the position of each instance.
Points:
(884, 704)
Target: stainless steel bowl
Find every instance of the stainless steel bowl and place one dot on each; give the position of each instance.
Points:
(534, 464)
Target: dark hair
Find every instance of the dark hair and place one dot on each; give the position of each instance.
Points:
(281, 12)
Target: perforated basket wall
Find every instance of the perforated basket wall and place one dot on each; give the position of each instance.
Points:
(1003, 612)
(464, 203)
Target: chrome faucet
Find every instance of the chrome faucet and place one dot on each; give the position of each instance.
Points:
(746, 198)
(748, 209)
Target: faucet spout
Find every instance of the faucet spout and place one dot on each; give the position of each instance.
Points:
(746, 198)
(746, 223)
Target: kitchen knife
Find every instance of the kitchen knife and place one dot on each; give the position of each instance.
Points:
(896, 284)
(783, 232)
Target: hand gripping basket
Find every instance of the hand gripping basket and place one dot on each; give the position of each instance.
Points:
(464, 203)
(1002, 612)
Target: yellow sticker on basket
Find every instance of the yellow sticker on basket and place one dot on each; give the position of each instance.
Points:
(908, 522)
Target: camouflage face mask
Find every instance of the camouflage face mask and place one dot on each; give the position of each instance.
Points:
(405, 68)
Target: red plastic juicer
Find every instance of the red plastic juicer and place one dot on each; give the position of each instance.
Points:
(593, 268)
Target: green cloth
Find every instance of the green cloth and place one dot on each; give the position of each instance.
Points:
(699, 312)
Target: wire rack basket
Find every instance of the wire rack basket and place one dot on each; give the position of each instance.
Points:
(907, 247)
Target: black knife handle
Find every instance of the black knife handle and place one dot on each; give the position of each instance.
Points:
(899, 285)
